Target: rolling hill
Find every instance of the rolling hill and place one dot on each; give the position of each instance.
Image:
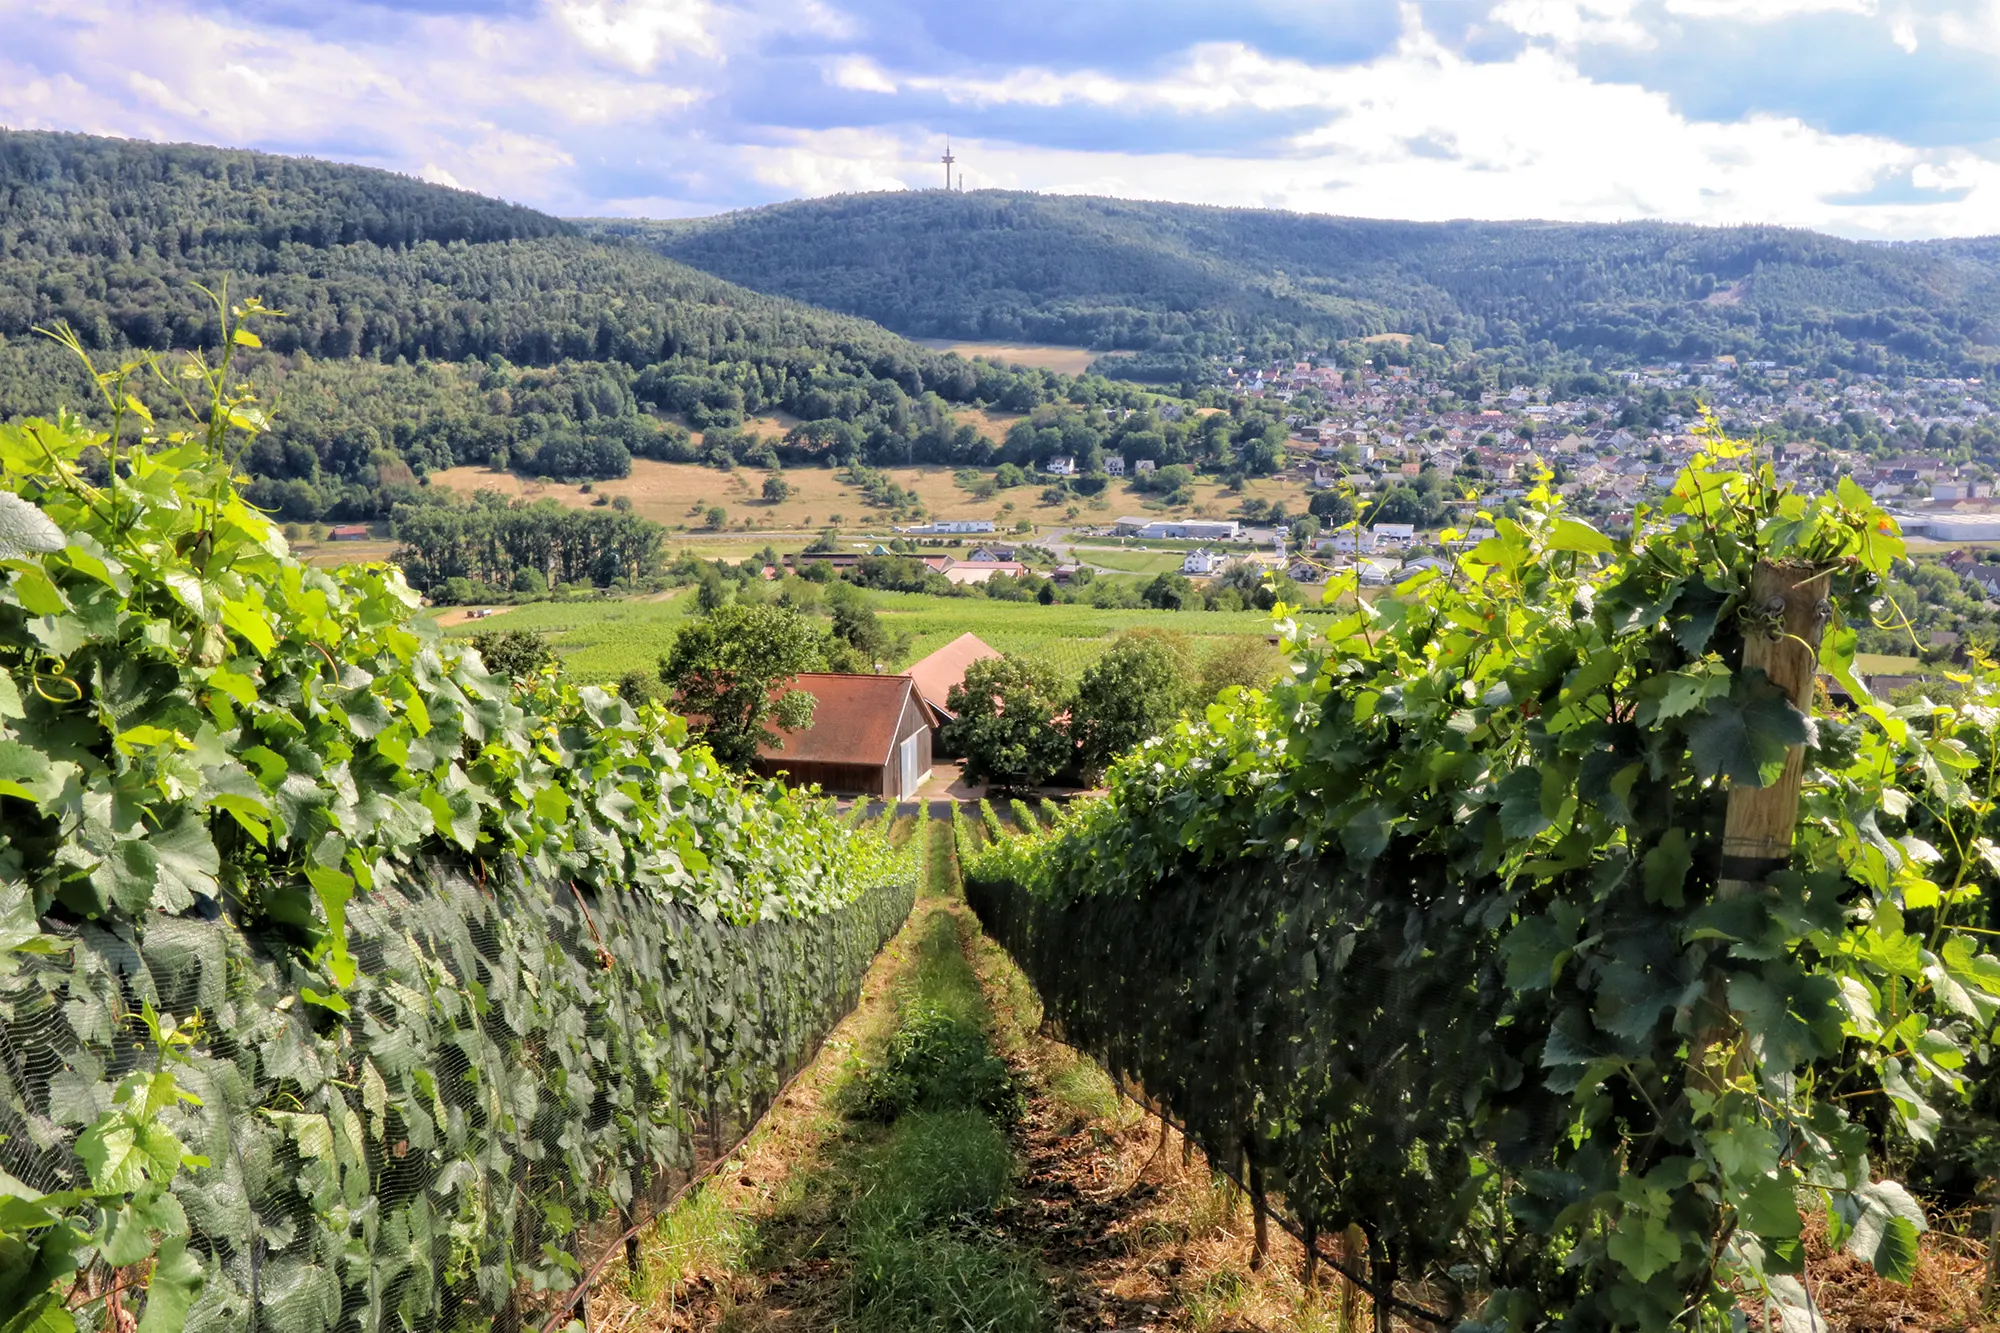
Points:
(428, 327)
(1168, 278)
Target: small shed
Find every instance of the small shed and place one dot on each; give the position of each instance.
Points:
(870, 736)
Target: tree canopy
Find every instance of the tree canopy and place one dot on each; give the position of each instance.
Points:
(728, 671)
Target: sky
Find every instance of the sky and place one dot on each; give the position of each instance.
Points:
(1867, 118)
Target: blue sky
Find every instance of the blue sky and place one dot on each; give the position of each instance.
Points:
(1863, 117)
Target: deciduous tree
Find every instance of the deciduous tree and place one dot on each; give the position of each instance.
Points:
(728, 672)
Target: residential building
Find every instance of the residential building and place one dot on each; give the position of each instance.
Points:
(1062, 465)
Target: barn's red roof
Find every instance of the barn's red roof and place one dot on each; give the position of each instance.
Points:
(854, 721)
(936, 674)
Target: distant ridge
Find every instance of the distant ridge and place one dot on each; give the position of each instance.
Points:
(1158, 277)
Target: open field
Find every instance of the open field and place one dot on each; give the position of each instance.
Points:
(1070, 638)
(600, 640)
(1885, 664)
(675, 494)
(344, 553)
(1042, 356)
(1129, 560)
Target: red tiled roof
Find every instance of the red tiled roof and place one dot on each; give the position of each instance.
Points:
(854, 721)
(936, 674)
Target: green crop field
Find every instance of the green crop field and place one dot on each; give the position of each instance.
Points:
(599, 641)
(1131, 562)
(1068, 637)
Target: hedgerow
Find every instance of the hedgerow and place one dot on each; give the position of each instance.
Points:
(1432, 938)
(342, 981)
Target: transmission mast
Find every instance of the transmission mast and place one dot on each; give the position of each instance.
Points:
(948, 159)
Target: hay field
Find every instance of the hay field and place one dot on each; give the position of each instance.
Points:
(675, 494)
(1042, 356)
(329, 554)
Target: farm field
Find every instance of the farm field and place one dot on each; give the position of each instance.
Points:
(1127, 560)
(1886, 664)
(1042, 356)
(598, 641)
(601, 640)
(675, 494)
(345, 553)
(1068, 637)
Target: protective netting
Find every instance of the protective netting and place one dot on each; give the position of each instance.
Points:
(527, 1069)
(1318, 1033)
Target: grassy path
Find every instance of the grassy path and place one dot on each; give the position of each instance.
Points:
(943, 1169)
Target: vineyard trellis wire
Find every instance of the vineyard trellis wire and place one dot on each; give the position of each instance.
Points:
(1430, 938)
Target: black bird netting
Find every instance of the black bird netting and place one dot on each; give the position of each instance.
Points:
(526, 1071)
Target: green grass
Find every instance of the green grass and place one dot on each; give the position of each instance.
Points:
(1886, 664)
(921, 1262)
(601, 640)
(1070, 638)
(1131, 562)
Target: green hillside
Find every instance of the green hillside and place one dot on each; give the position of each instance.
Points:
(427, 327)
(1111, 273)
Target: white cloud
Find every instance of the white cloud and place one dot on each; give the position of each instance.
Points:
(638, 33)
(1765, 11)
(859, 74)
(1575, 22)
(635, 94)
(1423, 132)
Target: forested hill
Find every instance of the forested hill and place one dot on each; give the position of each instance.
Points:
(1113, 273)
(426, 327)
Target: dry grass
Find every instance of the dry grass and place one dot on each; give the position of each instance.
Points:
(344, 553)
(1042, 356)
(1141, 1227)
(675, 494)
(1942, 1298)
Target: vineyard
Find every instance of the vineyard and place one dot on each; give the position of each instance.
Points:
(1548, 944)
(599, 640)
(343, 984)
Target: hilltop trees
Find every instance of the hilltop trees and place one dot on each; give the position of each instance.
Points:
(429, 328)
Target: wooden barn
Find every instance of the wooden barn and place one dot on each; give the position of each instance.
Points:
(870, 736)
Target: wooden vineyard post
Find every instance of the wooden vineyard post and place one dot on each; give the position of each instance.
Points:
(1786, 615)
(1783, 620)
